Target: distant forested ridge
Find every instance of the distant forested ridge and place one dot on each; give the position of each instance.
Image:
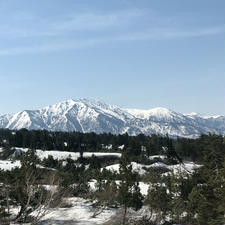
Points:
(77, 141)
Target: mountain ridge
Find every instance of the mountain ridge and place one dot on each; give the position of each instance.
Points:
(87, 115)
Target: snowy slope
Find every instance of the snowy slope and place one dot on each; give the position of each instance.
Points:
(86, 115)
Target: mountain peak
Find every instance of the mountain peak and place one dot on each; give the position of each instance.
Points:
(89, 115)
(158, 112)
(195, 115)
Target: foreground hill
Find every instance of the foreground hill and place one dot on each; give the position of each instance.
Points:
(86, 115)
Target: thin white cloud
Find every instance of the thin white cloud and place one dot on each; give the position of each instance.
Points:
(32, 26)
(196, 33)
(160, 34)
(93, 21)
(98, 24)
(51, 47)
(157, 34)
(84, 30)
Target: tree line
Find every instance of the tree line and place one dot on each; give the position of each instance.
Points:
(80, 142)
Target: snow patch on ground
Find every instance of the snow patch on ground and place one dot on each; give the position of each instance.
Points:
(141, 169)
(9, 165)
(59, 155)
(143, 186)
(136, 167)
(157, 156)
(186, 166)
(80, 213)
(63, 155)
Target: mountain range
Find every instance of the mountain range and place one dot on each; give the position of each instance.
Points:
(87, 115)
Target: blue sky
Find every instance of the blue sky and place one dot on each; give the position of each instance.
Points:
(135, 54)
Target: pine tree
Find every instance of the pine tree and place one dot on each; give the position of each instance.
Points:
(159, 201)
(206, 201)
(129, 194)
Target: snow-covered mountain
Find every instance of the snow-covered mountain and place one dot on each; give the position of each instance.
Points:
(86, 115)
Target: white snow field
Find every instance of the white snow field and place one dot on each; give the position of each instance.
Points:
(186, 166)
(9, 165)
(143, 186)
(80, 212)
(59, 155)
(62, 155)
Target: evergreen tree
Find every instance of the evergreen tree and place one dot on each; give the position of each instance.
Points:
(159, 199)
(129, 194)
(206, 199)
